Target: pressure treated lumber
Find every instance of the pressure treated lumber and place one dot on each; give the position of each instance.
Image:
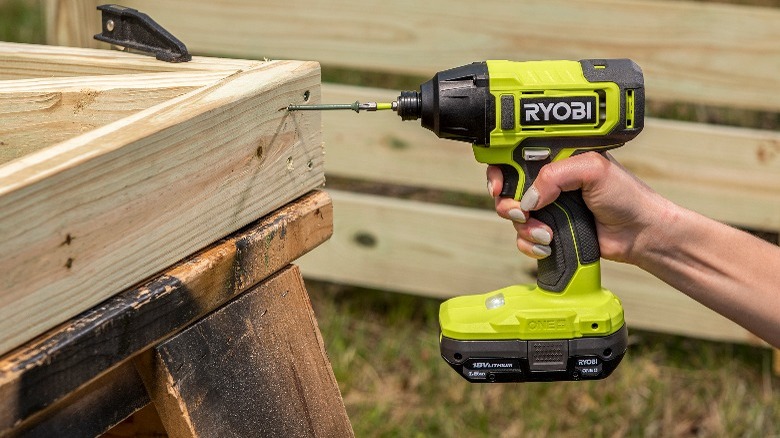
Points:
(36, 378)
(443, 251)
(37, 113)
(31, 61)
(255, 367)
(708, 53)
(729, 174)
(85, 218)
(90, 410)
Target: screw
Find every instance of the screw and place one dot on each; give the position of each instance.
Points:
(110, 25)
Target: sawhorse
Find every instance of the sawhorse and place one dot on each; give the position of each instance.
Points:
(224, 343)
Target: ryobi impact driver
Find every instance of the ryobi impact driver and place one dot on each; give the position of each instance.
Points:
(520, 116)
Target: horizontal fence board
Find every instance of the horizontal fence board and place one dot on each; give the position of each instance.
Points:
(444, 251)
(729, 174)
(690, 51)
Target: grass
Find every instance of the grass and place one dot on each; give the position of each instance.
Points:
(383, 347)
(21, 22)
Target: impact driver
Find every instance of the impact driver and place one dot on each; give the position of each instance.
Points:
(520, 116)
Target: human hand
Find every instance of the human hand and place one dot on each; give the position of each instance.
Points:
(625, 209)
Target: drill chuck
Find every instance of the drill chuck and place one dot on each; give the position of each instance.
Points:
(409, 105)
(455, 104)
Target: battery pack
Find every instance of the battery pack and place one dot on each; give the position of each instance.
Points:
(514, 360)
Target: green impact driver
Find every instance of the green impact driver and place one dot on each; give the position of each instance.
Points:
(520, 116)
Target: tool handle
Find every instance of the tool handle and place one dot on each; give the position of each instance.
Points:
(575, 242)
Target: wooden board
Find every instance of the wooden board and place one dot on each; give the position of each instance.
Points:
(255, 367)
(85, 218)
(690, 51)
(37, 377)
(37, 113)
(26, 61)
(443, 251)
(729, 174)
(90, 410)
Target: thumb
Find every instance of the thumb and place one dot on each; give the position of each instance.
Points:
(578, 172)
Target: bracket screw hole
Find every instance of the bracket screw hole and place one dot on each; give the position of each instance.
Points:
(594, 326)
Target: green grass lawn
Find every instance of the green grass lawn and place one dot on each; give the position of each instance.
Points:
(384, 350)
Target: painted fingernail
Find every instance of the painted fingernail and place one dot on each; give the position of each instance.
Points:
(541, 251)
(517, 215)
(530, 199)
(541, 235)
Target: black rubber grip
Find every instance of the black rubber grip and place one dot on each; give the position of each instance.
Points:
(574, 240)
(511, 180)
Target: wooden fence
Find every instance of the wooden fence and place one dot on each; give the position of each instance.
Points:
(697, 53)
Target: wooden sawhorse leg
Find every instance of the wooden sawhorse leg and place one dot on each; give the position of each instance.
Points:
(255, 367)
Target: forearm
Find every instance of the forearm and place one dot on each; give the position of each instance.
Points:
(729, 271)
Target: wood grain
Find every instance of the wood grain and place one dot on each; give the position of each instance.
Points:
(443, 251)
(85, 218)
(37, 113)
(38, 376)
(255, 367)
(708, 53)
(32, 61)
(89, 410)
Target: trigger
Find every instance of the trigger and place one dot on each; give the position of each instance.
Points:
(511, 178)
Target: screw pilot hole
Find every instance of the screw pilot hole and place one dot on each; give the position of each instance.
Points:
(306, 95)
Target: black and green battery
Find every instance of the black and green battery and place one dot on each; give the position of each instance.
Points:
(520, 116)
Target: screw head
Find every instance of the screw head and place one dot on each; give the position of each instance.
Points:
(110, 25)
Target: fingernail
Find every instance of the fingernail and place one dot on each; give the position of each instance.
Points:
(517, 215)
(541, 235)
(490, 188)
(529, 199)
(541, 251)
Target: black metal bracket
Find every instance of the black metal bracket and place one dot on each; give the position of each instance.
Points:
(132, 29)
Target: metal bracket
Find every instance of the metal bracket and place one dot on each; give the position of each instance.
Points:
(132, 29)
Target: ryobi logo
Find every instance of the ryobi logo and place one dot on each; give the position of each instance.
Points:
(558, 110)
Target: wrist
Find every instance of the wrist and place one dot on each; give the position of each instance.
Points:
(660, 234)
